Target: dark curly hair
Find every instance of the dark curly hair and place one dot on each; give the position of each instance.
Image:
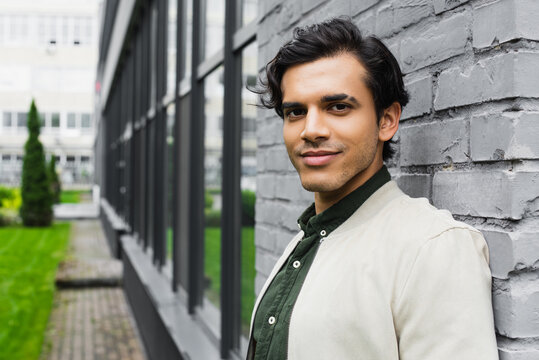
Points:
(331, 38)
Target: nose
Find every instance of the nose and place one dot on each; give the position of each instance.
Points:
(315, 129)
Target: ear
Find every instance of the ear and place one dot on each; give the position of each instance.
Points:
(389, 122)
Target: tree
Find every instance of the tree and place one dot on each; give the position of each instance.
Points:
(36, 208)
(56, 186)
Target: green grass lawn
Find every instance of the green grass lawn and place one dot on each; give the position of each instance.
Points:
(29, 258)
(212, 268)
(71, 196)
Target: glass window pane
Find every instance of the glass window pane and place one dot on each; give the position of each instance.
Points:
(6, 157)
(213, 140)
(171, 59)
(249, 11)
(21, 119)
(84, 159)
(70, 158)
(85, 121)
(248, 186)
(170, 175)
(215, 27)
(55, 120)
(187, 53)
(6, 119)
(71, 120)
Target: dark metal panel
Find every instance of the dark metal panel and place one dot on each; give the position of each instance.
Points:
(231, 211)
(196, 180)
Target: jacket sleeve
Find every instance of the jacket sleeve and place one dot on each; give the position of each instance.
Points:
(444, 311)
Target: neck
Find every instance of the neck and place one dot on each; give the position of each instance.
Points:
(324, 200)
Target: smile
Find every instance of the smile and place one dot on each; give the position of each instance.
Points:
(318, 158)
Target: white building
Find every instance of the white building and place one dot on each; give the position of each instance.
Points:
(48, 52)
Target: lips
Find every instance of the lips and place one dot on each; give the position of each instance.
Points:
(318, 157)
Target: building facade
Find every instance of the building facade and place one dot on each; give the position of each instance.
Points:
(48, 52)
(182, 153)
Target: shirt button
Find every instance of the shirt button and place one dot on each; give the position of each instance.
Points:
(323, 233)
(296, 264)
(299, 226)
(271, 320)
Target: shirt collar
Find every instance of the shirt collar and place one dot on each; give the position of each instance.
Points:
(328, 220)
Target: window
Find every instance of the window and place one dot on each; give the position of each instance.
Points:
(55, 120)
(21, 120)
(6, 119)
(214, 27)
(171, 48)
(213, 140)
(70, 159)
(84, 159)
(71, 120)
(85, 121)
(250, 8)
(57, 158)
(248, 187)
(6, 158)
(19, 158)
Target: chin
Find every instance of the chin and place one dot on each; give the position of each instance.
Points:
(319, 186)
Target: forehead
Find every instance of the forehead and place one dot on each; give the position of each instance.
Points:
(340, 73)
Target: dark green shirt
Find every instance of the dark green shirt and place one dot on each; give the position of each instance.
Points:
(272, 319)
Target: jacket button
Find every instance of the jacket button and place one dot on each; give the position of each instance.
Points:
(271, 320)
(323, 233)
(296, 264)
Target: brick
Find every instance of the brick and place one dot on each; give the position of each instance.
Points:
(434, 143)
(398, 15)
(265, 186)
(331, 9)
(497, 194)
(516, 307)
(504, 76)
(444, 5)
(527, 350)
(270, 132)
(506, 136)
(289, 217)
(435, 43)
(264, 261)
(265, 238)
(266, 212)
(420, 92)
(360, 6)
(308, 5)
(415, 185)
(277, 159)
(512, 251)
(513, 19)
(290, 188)
(366, 22)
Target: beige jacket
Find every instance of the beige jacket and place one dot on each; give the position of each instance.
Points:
(398, 280)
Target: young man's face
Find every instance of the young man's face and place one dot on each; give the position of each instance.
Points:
(330, 127)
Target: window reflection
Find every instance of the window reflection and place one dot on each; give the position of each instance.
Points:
(215, 27)
(213, 141)
(171, 48)
(170, 180)
(248, 185)
(250, 8)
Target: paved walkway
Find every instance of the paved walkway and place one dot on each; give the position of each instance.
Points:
(90, 319)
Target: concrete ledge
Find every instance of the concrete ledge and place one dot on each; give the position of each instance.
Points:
(114, 228)
(167, 329)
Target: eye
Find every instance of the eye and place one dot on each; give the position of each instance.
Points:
(295, 113)
(339, 107)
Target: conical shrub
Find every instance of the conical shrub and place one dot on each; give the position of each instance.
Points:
(56, 186)
(36, 208)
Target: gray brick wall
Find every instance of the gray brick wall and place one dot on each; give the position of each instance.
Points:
(468, 140)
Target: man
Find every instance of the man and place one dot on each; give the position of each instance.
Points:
(373, 273)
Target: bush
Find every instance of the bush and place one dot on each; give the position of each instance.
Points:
(248, 199)
(56, 188)
(212, 218)
(208, 200)
(36, 208)
(10, 202)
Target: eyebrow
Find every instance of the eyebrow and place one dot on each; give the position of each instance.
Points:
(323, 99)
(337, 97)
